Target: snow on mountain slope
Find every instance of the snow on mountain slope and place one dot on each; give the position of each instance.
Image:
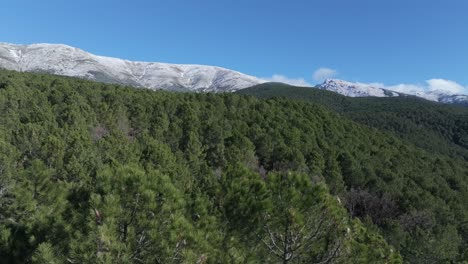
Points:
(363, 90)
(355, 89)
(69, 61)
(444, 97)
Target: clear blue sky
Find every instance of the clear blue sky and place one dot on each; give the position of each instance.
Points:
(386, 41)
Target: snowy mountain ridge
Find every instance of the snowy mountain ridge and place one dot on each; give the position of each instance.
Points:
(69, 61)
(364, 90)
(355, 89)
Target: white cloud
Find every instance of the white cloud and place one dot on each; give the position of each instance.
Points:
(376, 84)
(446, 86)
(319, 75)
(324, 73)
(406, 88)
(292, 81)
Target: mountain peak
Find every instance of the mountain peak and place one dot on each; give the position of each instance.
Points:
(338, 81)
(66, 60)
(364, 90)
(355, 89)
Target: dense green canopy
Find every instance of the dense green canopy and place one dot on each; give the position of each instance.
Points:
(439, 128)
(99, 173)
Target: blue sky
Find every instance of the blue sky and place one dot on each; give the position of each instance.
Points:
(371, 41)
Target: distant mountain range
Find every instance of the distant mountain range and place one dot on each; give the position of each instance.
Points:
(355, 89)
(364, 90)
(69, 61)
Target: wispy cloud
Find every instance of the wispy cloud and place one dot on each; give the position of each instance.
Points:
(284, 79)
(406, 88)
(324, 73)
(447, 86)
(319, 75)
(431, 85)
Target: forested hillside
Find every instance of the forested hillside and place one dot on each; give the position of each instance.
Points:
(99, 173)
(435, 127)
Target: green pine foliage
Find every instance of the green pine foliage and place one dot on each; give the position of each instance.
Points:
(432, 126)
(100, 173)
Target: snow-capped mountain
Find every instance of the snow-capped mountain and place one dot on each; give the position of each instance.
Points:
(442, 97)
(69, 61)
(363, 90)
(355, 89)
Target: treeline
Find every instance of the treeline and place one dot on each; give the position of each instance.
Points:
(93, 172)
(432, 126)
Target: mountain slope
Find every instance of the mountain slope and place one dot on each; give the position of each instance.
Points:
(94, 172)
(438, 128)
(69, 61)
(368, 90)
(355, 89)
